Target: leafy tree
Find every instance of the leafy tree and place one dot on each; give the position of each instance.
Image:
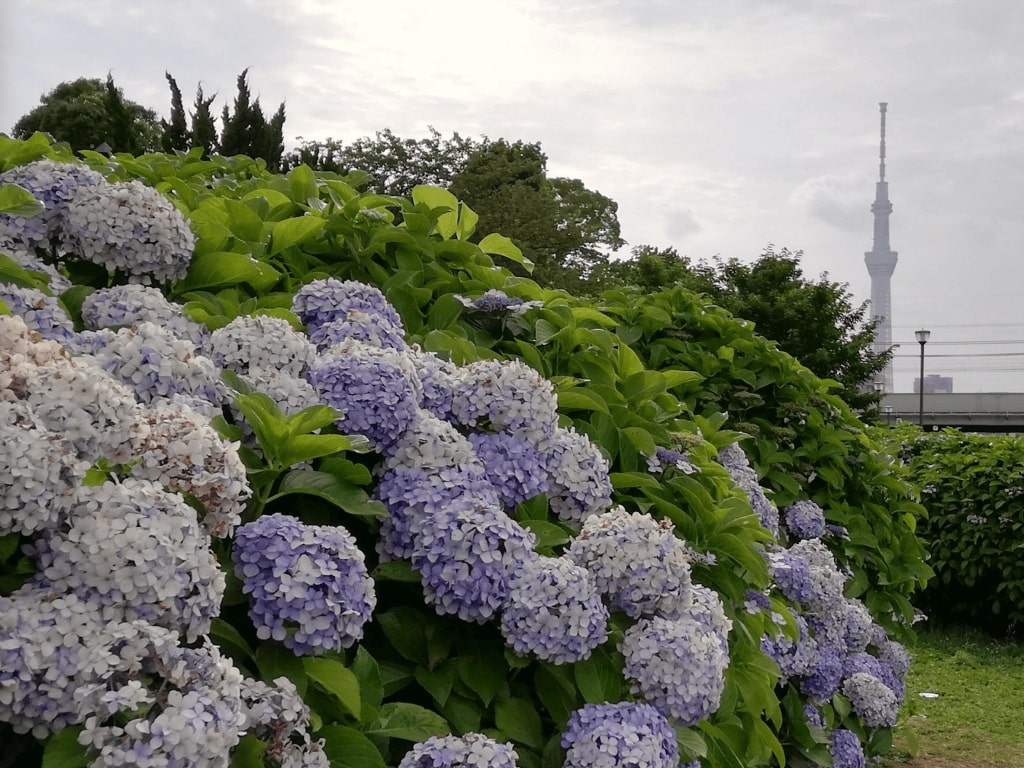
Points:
(87, 113)
(247, 131)
(175, 131)
(559, 224)
(815, 321)
(395, 165)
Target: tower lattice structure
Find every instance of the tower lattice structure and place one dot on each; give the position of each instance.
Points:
(881, 261)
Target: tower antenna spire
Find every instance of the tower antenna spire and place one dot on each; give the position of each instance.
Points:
(882, 105)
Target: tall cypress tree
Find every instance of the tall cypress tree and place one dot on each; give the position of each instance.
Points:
(204, 128)
(175, 135)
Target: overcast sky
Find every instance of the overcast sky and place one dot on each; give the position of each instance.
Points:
(718, 126)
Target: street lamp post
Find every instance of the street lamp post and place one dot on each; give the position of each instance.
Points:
(922, 339)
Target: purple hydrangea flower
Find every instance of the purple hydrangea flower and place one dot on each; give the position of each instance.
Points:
(663, 458)
(472, 750)
(677, 665)
(813, 715)
(846, 750)
(792, 575)
(873, 701)
(430, 443)
(133, 304)
(53, 184)
(256, 342)
(614, 735)
(554, 611)
(371, 389)
(412, 494)
(516, 469)
(131, 228)
(361, 326)
(321, 301)
(308, 584)
(794, 657)
(579, 483)
(467, 552)
(634, 560)
(822, 682)
(804, 520)
(41, 313)
(437, 377)
(506, 396)
(878, 668)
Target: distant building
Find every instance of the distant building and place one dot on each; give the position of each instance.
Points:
(935, 385)
(881, 262)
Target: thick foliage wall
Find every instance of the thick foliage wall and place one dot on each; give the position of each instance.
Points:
(973, 489)
(528, 599)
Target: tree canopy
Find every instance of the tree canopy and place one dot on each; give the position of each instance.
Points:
(88, 113)
(813, 320)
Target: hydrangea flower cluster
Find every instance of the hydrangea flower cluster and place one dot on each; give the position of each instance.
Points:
(663, 458)
(40, 312)
(637, 562)
(516, 469)
(467, 552)
(873, 701)
(308, 585)
(846, 750)
(322, 301)
(156, 364)
(613, 735)
(578, 482)
(738, 466)
(804, 520)
(677, 665)
(136, 551)
(131, 228)
(252, 343)
(554, 611)
(54, 185)
(132, 304)
(472, 750)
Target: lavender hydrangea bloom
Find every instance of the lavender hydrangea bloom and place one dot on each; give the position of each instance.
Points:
(437, 377)
(430, 443)
(677, 665)
(39, 471)
(155, 364)
(53, 184)
(260, 342)
(813, 715)
(629, 556)
(614, 735)
(40, 312)
(467, 553)
(578, 479)
(792, 575)
(794, 657)
(878, 668)
(804, 520)
(499, 302)
(131, 228)
(308, 584)
(197, 722)
(822, 682)
(828, 582)
(894, 654)
(506, 396)
(361, 326)
(321, 301)
(873, 701)
(370, 387)
(856, 624)
(140, 552)
(554, 611)
(516, 469)
(846, 750)
(56, 650)
(412, 494)
(133, 304)
(472, 750)
(736, 463)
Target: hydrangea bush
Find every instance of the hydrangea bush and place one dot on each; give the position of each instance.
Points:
(267, 506)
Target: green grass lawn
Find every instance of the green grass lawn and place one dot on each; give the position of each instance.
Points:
(977, 718)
